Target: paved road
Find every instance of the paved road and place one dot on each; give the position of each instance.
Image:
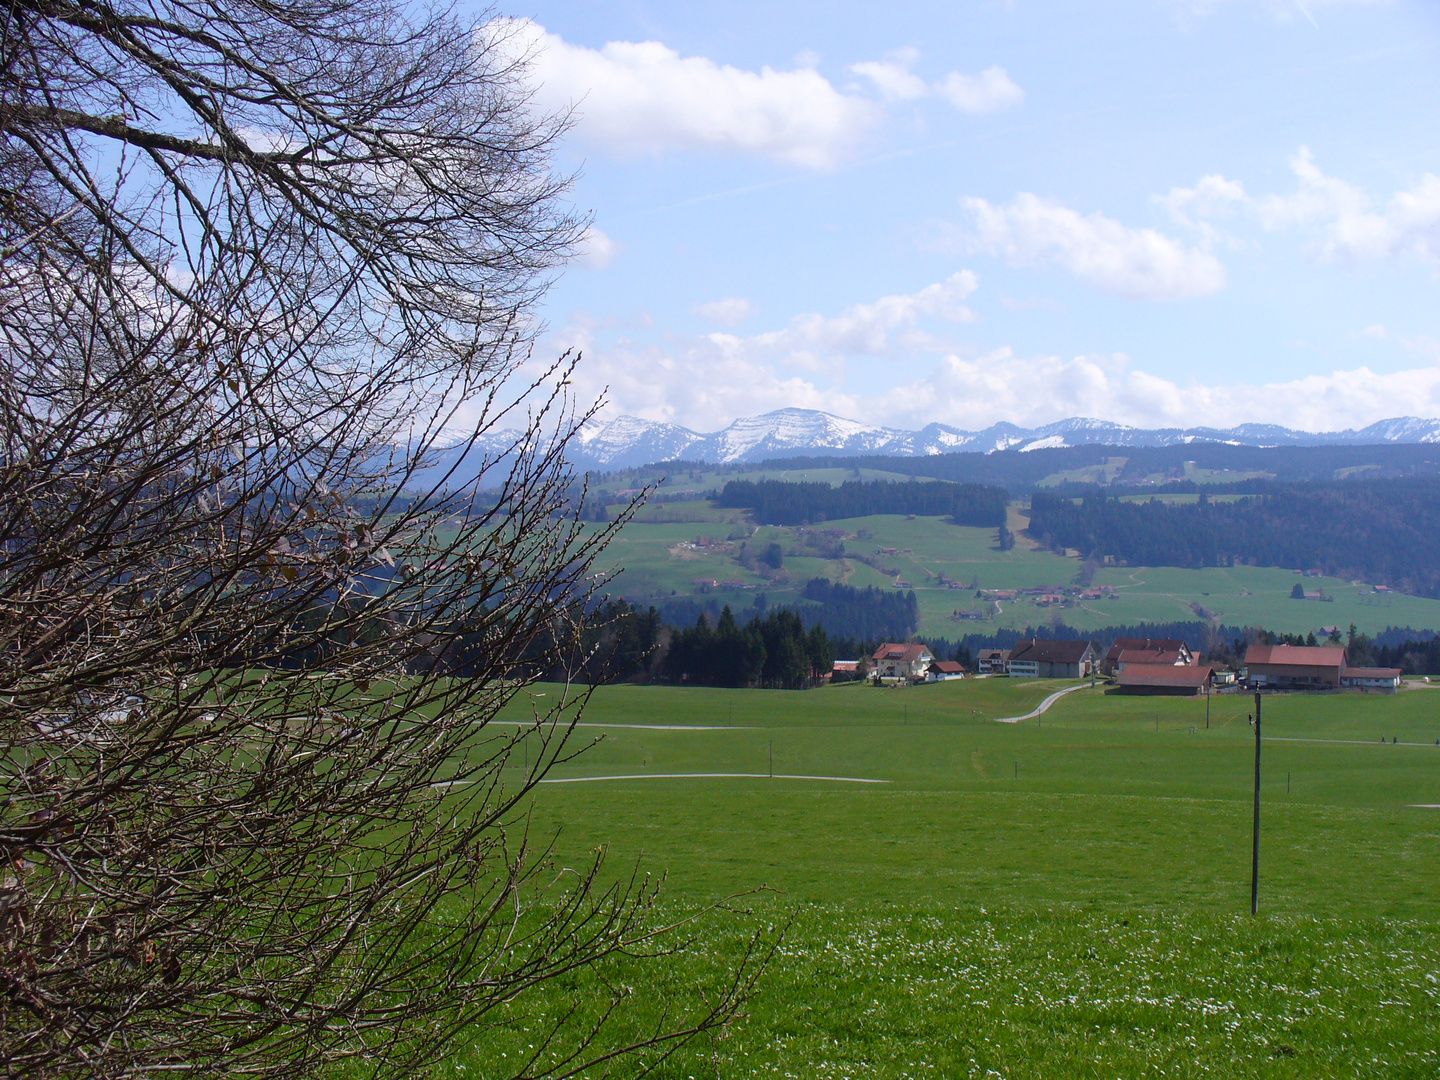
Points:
(1042, 706)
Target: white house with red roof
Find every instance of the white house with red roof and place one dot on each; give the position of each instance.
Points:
(902, 661)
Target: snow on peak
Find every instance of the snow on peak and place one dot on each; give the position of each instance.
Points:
(630, 441)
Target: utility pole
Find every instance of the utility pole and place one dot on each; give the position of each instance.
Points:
(1207, 704)
(1255, 839)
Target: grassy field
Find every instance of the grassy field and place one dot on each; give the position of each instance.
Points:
(713, 477)
(659, 561)
(1061, 897)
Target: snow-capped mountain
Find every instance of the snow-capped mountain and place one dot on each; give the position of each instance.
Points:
(629, 441)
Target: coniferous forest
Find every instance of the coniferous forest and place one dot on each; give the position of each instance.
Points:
(775, 651)
(778, 502)
(1380, 531)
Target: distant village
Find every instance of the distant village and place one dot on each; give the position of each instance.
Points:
(1155, 666)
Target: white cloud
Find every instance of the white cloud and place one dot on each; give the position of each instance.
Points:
(893, 77)
(706, 382)
(881, 328)
(1032, 231)
(1213, 196)
(644, 97)
(730, 310)
(905, 377)
(991, 90)
(596, 250)
(976, 392)
(1341, 217)
(699, 382)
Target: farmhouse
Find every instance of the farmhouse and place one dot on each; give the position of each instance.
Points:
(1384, 679)
(1294, 667)
(1146, 651)
(1182, 680)
(894, 661)
(992, 661)
(945, 669)
(1171, 657)
(1041, 659)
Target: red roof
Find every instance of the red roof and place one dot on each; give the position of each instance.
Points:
(1371, 673)
(1163, 675)
(906, 653)
(1326, 656)
(1148, 656)
(1125, 643)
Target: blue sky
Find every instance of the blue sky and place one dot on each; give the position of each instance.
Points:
(1150, 212)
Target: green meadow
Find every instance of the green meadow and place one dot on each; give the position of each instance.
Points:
(655, 559)
(1065, 896)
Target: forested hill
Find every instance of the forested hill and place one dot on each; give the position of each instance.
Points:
(777, 502)
(1380, 531)
(1020, 470)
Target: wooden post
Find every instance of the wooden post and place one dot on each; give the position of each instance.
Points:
(1255, 835)
(772, 759)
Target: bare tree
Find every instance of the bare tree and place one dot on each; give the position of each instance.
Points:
(253, 258)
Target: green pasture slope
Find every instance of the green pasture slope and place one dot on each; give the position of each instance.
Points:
(655, 564)
(1063, 897)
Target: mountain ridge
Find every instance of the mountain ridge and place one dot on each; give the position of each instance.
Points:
(629, 441)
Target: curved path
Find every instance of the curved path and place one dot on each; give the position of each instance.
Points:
(1042, 706)
(711, 775)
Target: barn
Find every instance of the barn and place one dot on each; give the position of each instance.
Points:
(1038, 658)
(1294, 667)
(1177, 680)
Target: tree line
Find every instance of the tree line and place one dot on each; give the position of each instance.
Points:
(786, 648)
(1378, 530)
(775, 651)
(1019, 471)
(782, 502)
(843, 611)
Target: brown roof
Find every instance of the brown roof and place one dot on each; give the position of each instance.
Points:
(907, 653)
(1124, 643)
(1148, 656)
(1049, 652)
(1163, 675)
(1326, 656)
(993, 654)
(1371, 673)
(947, 667)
